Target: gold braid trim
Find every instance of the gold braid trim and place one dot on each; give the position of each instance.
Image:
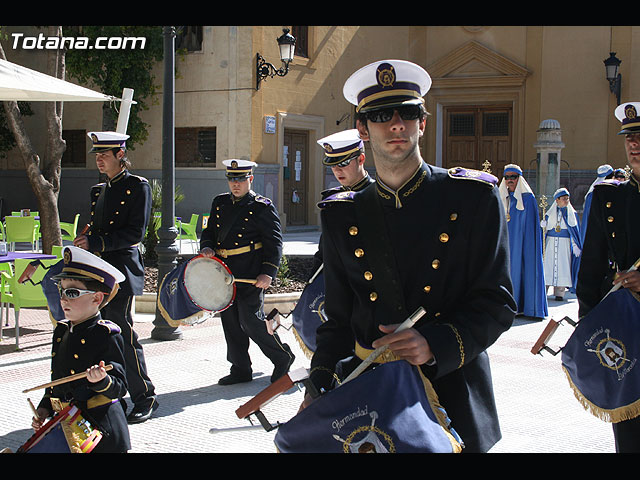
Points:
(460, 344)
(416, 185)
(325, 369)
(626, 412)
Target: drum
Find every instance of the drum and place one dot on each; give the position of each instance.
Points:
(390, 409)
(50, 290)
(67, 432)
(308, 314)
(601, 357)
(194, 290)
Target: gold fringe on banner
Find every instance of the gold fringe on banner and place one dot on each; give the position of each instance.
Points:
(615, 415)
(438, 410)
(306, 350)
(430, 392)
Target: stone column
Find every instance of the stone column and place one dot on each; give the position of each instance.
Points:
(549, 147)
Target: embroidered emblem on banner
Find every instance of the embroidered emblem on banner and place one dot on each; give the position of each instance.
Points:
(610, 351)
(365, 438)
(173, 286)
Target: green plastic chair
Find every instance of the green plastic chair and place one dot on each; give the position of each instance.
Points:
(37, 221)
(4, 285)
(56, 250)
(20, 229)
(31, 214)
(69, 230)
(188, 230)
(25, 295)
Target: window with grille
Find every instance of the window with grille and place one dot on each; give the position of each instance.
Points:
(301, 35)
(495, 124)
(462, 125)
(75, 154)
(195, 147)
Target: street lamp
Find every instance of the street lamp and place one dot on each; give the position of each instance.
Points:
(287, 45)
(615, 79)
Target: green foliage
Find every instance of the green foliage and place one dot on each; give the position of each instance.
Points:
(113, 70)
(283, 271)
(151, 238)
(7, 140)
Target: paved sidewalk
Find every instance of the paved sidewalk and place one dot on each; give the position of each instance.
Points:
(538, 411)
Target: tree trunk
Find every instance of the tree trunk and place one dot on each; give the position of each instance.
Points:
(44, 174)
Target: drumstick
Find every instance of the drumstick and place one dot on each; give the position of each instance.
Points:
(316, 274)
(230, 279)
(408, 323)
(33, 408)
(634, 267)
(60, 381)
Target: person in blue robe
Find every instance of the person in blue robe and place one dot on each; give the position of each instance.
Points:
(525, 243)
(563, 245)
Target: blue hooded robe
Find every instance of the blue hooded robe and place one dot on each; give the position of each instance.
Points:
(525, 244)
(573, 232)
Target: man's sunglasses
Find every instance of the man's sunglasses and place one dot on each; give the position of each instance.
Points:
(73, 292)
(237, 179)
(409, 112)
(345, 163)
(511, 177)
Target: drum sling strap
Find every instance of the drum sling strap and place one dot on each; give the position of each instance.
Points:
(380, 251)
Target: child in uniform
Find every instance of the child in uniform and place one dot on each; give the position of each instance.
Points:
(83, 341)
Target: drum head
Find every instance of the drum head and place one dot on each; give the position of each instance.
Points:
(209, 283)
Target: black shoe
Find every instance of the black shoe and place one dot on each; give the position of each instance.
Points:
(142, 414)
(234, 378)
(282, 368)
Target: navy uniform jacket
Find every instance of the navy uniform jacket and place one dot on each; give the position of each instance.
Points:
(246, 222)
(73, 351)
(122, 226)
(612, 241)
(448, 238)
(365, 182)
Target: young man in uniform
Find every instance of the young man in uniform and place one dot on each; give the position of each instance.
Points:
(244, 232)
(120, 210)
(344, 153)
(612, 246)
(421, 236)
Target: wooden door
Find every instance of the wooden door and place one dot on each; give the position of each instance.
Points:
(295, 173)
(477, 134)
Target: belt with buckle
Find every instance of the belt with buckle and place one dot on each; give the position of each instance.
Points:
(362, 353)
(96, 401)
(228, 252)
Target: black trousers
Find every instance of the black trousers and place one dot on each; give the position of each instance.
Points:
(244, 320)
(141, 390)
(627, 436)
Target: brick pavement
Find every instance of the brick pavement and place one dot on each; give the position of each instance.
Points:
(538, 411)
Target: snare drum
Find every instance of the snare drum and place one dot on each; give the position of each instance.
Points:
(194, 290)
(67, 432)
